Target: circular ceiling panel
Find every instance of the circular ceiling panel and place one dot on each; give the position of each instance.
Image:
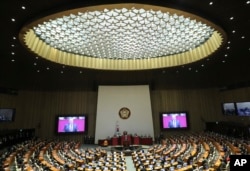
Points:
(123, 37)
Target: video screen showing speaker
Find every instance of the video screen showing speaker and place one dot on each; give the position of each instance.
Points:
(7, 114)
(71, 124)
(243, 108)
(229, 108)
(174, 120)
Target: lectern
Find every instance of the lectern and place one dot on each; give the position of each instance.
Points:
(125, 139)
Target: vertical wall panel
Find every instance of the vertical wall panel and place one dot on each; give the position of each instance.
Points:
(202, 105)
(37, 109)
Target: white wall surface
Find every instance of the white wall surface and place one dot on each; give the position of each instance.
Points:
(111, 99)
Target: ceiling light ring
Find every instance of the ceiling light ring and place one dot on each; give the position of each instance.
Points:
(150, 13)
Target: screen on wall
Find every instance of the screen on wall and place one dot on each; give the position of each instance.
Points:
(229, 108)
(243, 108)
(174, 120)
(71, 124)
(7, 114)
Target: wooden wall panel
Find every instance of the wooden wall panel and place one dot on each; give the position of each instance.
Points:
(202, 106)
(236, 95)
(37, 109)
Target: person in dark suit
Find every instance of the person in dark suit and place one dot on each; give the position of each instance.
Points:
(174, 123)
(70, 126)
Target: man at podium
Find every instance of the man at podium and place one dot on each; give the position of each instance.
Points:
(126, 139)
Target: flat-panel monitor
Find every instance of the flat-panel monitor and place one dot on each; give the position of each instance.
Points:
(243, 108)
(7, 114)
(174, 120)
(71, 124)
(229, 108)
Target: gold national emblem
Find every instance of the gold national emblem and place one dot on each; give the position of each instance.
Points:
(124, 113)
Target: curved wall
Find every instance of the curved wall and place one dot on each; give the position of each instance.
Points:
(37, 109)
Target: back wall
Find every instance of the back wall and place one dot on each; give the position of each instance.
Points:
(37, 109)
(111, 99)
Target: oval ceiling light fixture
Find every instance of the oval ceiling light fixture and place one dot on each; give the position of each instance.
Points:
(123, 37)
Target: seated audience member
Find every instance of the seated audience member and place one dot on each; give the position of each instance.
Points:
(190, 160)
(126, 139)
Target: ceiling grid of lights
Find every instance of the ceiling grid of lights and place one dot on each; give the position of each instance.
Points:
(151, 36)
(123, 33)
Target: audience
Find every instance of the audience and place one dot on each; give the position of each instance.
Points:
(190, 151)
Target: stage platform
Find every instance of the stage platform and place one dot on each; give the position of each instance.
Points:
(126, 150)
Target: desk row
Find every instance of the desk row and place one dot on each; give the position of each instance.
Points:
(126, 140)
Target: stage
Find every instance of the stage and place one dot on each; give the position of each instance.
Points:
(118, 141)
(119, 148)
(126, 150)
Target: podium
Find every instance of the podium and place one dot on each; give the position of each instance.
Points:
(126, 140)
(126, 143)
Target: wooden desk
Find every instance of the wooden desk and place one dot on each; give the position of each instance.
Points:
(136, 140)
(102, 142)
(188, 167)
(115, 141)
(146, 141)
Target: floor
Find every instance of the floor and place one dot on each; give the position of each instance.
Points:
(130, 164)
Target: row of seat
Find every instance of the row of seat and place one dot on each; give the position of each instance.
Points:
(207, 151)
(60, 156)
(186, 152)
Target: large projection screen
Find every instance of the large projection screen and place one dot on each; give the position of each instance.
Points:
(111, 99)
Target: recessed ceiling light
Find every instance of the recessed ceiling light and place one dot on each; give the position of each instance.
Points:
(23, 7)
(189, 69)
(231, 18)
(223, 61)
(210, 3)
(12, 60)
(35, 63)
(61, 72)
(196, 71)
(225, 55)
(228, 47)
(202, 65)
(80, 72)
(47, 68)
(243, 37)
(228, 42)
(38, 70)
(14, 38)
(233, 31)
(13, 19)
(248, 2)
(12, 45)
(12, 53)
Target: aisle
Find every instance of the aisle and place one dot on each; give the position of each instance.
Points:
(129, 163)
(128, 159)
